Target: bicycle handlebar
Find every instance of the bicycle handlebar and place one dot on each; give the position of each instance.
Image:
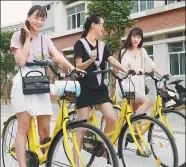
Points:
(110, 70)
(48, 63)
(151, 74)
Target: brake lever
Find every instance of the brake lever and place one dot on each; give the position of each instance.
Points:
(166, 77)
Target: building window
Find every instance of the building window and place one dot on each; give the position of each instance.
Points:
(177, 58)
(149, 49)
(148, 39)
(71, 1)
(177, 34)
(76, 16)
(142, 5)
(171, 1)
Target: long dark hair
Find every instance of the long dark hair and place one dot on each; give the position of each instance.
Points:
(94, 18)
(128, 43)
(41, 13)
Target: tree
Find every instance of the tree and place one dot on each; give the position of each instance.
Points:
(116, 15)
(7, 63)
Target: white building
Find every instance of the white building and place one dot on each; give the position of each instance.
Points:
(11, 27)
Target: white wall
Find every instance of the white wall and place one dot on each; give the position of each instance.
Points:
(64, 18)
(58, 16)
(42, 3)
(159, 3)
(161, 57)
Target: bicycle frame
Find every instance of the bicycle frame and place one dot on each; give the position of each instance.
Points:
(125, 114)
(61, 124)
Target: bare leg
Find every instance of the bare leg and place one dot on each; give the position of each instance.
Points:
(44, 127)
(140, 106)
(82, 113)
(23, 120)
(109, 116)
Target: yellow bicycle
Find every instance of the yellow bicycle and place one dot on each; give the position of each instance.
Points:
(63, 146)
(137, 144)
(169, 116)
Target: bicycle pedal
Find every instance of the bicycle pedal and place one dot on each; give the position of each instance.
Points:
(32, 159)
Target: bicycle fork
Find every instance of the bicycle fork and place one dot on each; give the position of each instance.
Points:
(141, 138)
(67, 146)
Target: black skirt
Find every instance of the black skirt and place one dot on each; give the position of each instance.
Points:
(91, 96)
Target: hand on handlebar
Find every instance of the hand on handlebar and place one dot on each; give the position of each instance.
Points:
(135, 72)
(76, 72)
(167, 76)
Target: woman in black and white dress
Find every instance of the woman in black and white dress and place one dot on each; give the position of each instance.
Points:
(90, 51)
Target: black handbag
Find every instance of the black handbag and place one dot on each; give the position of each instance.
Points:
(35, 84)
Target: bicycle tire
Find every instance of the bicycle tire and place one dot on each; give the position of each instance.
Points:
(4, 133)
(59, 135)
(165, 112)
(5, 130)
(157, 122)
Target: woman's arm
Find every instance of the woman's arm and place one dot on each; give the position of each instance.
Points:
(157, 71)
(58, 57)
(21, 55)
(116, 64)
(84, 65)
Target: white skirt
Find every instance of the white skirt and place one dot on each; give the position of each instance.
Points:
(138, 87)
(36, 104)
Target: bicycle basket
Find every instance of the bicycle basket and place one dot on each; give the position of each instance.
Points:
(130, 95)
(163, 93)
(70, 96)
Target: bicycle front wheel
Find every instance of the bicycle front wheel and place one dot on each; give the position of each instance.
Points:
(96, 149)
(175, 122)
(159, 148)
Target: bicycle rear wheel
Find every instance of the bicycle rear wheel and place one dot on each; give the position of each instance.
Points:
(161, 145)
(96, 149)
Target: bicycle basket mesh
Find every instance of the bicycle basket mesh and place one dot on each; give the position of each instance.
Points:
(70, 96)
(163, 93)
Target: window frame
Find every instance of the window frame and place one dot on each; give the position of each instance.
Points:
(139, 5)
(177, 52)
(76, 17)
(150, 55)
(166, 2)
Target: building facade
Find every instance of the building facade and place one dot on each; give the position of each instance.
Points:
(11, 27)
(162, 21)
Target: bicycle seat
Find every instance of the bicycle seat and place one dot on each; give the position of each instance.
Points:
(176, 82)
